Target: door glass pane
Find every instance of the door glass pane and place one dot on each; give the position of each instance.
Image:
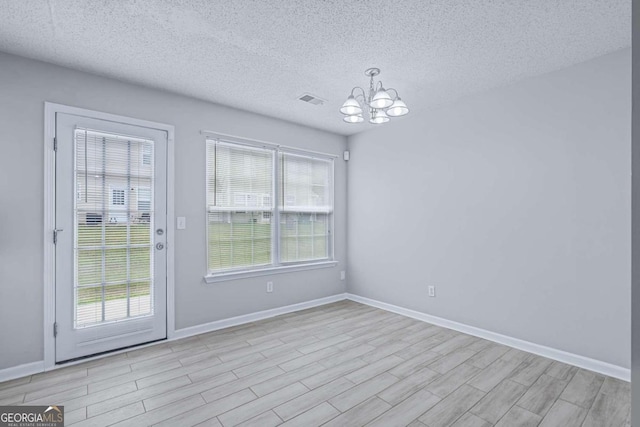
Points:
(113, 227)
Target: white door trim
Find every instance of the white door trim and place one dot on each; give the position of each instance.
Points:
(50, 110)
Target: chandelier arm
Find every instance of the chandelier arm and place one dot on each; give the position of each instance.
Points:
(358, 87)
(395, 91)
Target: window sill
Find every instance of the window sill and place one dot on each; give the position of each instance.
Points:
(234, 275)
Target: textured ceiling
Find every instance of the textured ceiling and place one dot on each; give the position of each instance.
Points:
(260, 55)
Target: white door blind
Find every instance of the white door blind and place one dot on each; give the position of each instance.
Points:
(239, 206)
(113, 226)
(306, 206)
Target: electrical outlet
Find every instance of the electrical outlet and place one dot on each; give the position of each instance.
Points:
(432, 291)
(343, 275)
(269, 286)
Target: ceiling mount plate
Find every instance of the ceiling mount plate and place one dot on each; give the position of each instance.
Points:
(372, 72)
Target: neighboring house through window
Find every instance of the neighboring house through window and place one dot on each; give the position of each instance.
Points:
(118, 204)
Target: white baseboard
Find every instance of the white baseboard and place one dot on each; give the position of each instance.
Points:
(252, 317)
(551, 353)
(21, 370)
(541, 350)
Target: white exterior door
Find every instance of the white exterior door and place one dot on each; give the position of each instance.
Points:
(111, 213)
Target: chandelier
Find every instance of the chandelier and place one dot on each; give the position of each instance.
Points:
(379, 103)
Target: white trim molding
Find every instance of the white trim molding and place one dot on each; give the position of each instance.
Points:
(171, 232)
(541, 350)
(20, 371)
(243, 274)
(49, 313)
(252, 317)
(50, 111)
(551, 353)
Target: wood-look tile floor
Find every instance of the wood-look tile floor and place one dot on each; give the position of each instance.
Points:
(343, 364)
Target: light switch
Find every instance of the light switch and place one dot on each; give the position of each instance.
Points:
(182, 223)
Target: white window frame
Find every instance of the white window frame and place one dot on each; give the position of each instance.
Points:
(276, 266)
(314, 212)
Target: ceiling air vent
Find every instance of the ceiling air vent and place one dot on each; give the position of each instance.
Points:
(311, 99)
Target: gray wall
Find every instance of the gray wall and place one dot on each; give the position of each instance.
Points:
(515, 203)
(24, 87)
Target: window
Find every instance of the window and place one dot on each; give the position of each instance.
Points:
(266, 207)
(117, 197)
(144, 199)
(305, 187)
(147, 154)
(239, 236)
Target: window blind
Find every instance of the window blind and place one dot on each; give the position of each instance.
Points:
(306, 205)
(239, 206)
(113, 227)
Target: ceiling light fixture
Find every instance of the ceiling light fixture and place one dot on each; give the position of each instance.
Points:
(380, 105)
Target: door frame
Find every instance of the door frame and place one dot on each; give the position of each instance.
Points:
(50, 110)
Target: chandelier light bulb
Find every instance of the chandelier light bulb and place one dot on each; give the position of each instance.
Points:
(378, 117)
(381, 99)
(351, 106)
(398, 108)
(356, 118)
